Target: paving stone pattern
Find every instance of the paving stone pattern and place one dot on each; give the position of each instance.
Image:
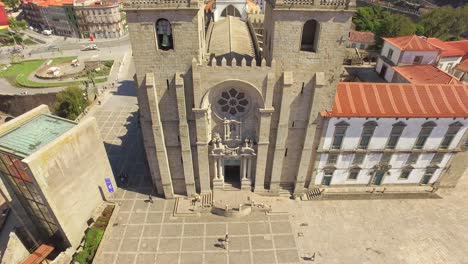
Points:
(413, 231)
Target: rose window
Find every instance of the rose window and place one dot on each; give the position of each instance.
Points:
(233, 102)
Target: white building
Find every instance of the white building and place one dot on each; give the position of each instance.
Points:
(450, 55)
(407, 50)
(392, 136)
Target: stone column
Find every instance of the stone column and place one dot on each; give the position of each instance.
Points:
(249, 167)
(216, 176)
(307, 163)
(246, 183)
(186, 150)
(158, 136)
(221, 169)
(244, 166)
(282, 133)
(262, 149)
(312, 139)
(202, 149)
(264, 135)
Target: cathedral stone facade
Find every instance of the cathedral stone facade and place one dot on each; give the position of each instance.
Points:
(222, 107)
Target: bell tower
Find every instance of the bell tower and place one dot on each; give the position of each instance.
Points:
(166, 35)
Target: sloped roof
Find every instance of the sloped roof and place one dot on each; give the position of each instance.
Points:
(463, 66)
(399, 100)
(461, 44)
(34, 134)
(447, 49)
(411, 43)
(362, 37)
(425, 74)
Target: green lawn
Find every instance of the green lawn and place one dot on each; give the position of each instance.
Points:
(29, 42)
(18, 73)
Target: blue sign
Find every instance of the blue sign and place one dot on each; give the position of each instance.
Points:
(110, 188)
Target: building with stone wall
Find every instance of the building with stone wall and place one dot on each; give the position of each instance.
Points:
(100, 19)
(215, 112)
(56, 169)
(391, 137)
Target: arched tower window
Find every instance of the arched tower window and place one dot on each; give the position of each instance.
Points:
(310, 33)
(230, 10)
(164, 33)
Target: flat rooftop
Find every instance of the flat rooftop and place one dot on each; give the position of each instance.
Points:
(29, 137)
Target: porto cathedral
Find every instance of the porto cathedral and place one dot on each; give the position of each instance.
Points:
(230, 95)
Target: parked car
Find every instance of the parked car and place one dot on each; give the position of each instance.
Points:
(52, 47)
(90, 47)
(47, 32)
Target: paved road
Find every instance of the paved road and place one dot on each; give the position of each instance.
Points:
(115, 53)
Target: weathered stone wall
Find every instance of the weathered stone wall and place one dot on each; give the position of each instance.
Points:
(69, 171)
(295, 107)
(188, 33)
(16, 105)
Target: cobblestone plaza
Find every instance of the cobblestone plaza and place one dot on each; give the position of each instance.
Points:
(342, 231)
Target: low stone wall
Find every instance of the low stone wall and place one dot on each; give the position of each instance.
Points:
(16, 105)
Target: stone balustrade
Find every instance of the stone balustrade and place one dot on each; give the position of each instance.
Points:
(143, 4)
(314, 3)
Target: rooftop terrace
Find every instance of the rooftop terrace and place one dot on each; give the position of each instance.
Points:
(34, 134)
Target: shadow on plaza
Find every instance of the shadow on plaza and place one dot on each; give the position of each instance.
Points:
(126, 152)
(125, 88)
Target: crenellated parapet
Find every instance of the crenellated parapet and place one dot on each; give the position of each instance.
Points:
(161, 4)
(238, 61)
(314, 4)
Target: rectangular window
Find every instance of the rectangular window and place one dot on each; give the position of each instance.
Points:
(332, 159)
(327, 177)
(405, 174)
(386, 157)
(422, 137)
(449, 135)
(340, 132)
(426, 178)
(438, 157)
(358, 158)
(353, 174)
(417, 59)
(395, 135)
(412, 158)
(390, 54)
(366, 136)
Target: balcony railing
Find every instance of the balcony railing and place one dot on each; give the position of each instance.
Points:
(314, 3)
(142, 4)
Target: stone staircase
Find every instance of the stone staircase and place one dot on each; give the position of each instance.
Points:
(312, 194)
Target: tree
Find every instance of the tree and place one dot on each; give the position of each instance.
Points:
(367, 18)
(394, 26)
(70, 103)
(13, 4)
(16, 25)
(445, 23)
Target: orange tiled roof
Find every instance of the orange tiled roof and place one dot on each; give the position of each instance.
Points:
(39, 254)
(411, 43)
(461, 44)
(399, 100)
(463, 66)
(362, 37)
(50, 2)
(447, 49)
(425, 74)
